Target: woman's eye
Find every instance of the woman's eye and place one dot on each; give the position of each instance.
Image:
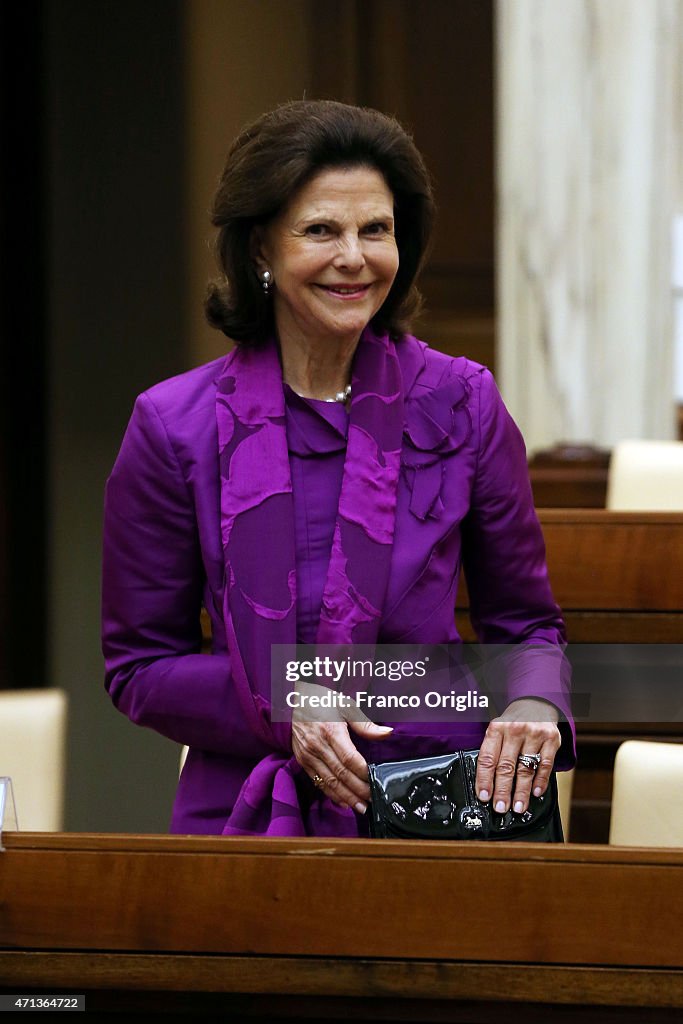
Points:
(377, 228)
(317, 230)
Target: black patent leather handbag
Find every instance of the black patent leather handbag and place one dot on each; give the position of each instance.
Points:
(435, 798)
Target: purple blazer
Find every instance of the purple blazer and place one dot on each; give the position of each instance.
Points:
(463, 498)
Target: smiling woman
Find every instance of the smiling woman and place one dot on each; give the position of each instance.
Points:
(321, 484)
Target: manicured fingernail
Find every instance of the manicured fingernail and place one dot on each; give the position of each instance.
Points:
(538, 791)
(518, 807)
(361, 808)
(500, 807)
(484, 795)
(385, 728)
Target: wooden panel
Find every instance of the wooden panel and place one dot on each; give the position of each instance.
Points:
(265, 929)
(624, 627)
(602, 561)
(615, 560)
(306, 897)
(458, 335)
(335, 50)
(570, 476)
(614, 627)
(556, 488)
(447, 102)
(336, 977)
(372, 52)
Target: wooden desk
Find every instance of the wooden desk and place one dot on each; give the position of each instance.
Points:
(381, 930)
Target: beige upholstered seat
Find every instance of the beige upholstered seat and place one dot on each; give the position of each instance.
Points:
(646, 476)
(32, 753)
(647, 795)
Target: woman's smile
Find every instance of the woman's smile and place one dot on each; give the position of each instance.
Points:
(345, 291)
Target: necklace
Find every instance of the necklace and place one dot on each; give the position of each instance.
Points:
(341, 396)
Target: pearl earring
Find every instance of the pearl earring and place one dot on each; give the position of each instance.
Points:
(266, 278)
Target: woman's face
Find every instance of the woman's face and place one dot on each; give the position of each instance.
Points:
(332, 253)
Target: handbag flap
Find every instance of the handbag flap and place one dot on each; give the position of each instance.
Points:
(434, 798)
(421, 797)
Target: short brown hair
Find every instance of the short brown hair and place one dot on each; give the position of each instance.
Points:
(270, 160)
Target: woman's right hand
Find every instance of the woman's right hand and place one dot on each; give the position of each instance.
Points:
(325, 751)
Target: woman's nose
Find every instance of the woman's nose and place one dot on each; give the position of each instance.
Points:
(350, 254)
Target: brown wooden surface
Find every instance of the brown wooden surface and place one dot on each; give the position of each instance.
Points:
(600, 561)
(624, 627)
(306, 897)
(392, 930)
(569, 476)
(626, 561)
(340, 977)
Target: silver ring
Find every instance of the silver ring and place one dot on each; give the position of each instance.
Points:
(530, 761)
(317, 780)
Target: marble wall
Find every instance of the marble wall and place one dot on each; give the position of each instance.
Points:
(589, 167)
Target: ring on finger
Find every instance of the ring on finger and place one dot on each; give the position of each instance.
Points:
(530, 761)
(317, 780)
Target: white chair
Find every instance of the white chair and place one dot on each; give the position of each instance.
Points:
(647, 795)
(646, 476)
(32, 753)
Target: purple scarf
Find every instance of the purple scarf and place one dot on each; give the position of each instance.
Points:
(257, 527)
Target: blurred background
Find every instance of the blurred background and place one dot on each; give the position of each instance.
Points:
(553, 131)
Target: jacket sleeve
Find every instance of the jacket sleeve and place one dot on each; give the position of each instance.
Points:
(504, 561)
(152, 585)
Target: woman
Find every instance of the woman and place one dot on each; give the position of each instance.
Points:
(320, 484)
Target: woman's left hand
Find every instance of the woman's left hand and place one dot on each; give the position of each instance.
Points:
(527, 726)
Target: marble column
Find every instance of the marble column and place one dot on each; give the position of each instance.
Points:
(589, 181)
